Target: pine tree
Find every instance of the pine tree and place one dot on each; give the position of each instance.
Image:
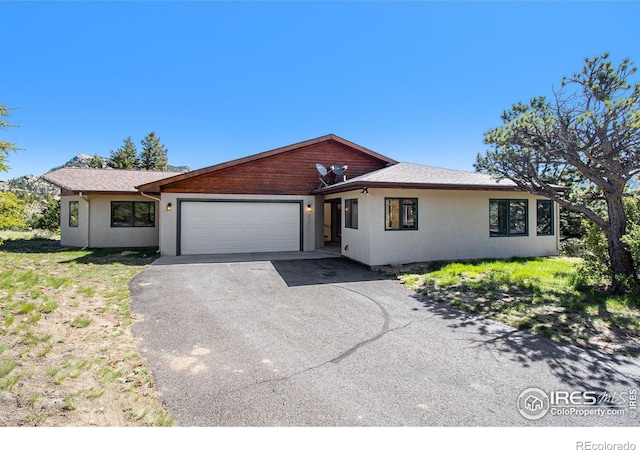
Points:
(95, 162)
(126, 157)
(591, 127)
(153, 155)
(5, 147)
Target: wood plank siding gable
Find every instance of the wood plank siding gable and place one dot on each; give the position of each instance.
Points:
(289, 170)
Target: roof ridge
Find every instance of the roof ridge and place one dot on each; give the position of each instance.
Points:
(111, 169)
(87, 179)
(440, 167)
(408, 174)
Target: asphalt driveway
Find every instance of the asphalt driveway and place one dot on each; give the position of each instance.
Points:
(328, 342)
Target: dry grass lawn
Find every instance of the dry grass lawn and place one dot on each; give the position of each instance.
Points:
(67, 354)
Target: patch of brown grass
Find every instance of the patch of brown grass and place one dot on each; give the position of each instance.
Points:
(64, 328)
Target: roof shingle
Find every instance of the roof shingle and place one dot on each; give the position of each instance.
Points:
(407, 174)
(103, 180)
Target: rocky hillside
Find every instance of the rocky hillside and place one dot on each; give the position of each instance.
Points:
(81, 160)
(32, 184)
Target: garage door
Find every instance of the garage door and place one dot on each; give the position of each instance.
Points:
(239, 227)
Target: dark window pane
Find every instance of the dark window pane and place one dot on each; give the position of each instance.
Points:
(351, 213)
(354, 214)
(544, 217)
(133, 214)
(409, 214)
(518, 217)
(498, 217)
(121, 214)
(392, 214)
(508, 217)
(401, 214)
(73, 213)
(145, 215)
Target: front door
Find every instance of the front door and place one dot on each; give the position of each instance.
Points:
(333, 221)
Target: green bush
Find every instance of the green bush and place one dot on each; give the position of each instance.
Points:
(11, 212)
(572, 247)
(49, 218)
(596, 270)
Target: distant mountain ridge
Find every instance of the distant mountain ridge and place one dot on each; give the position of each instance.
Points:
(41, 188)
(81, 160)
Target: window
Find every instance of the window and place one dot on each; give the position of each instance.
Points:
(508, 217)
(133, 214)
(544, 225)
(401, 214)
(351, 213)
(74, 208)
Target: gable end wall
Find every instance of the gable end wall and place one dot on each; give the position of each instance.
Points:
(289, 173)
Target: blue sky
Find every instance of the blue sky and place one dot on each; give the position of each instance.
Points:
(416, 81)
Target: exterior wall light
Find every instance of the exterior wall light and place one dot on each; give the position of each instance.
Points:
(365, 191)
(169, 207)
(309, 208)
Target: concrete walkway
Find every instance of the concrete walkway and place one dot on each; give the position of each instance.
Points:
(244, 257)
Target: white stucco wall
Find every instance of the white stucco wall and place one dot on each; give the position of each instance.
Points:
(74, 236)
(356, 243)
(451, 225)
(94, 224)
(169, 219)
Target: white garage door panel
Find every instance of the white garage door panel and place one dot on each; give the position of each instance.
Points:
(227, 227)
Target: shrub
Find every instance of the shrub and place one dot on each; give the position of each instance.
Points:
(11, 212)
(572, 248)
(596, 268)
(49, 217)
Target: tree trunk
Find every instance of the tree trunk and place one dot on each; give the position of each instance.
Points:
(621, 259)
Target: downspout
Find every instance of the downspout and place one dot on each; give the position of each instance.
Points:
(86, 199)
(157, 210)
(150, 196)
